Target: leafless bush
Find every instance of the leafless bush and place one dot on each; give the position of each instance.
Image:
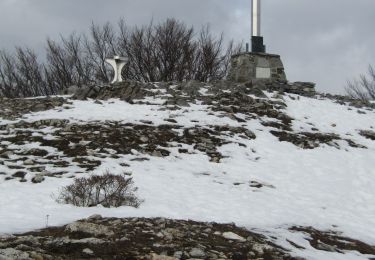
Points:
(141, 54)
(99, 45)
(7, 74)
(174, 50)
(67, 64)
(108, 190)
(168, 51)
(21, 75)
(364, 87)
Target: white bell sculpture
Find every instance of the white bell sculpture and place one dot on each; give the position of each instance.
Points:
(118, 64)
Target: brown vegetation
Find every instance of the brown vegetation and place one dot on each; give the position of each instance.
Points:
(108, 190)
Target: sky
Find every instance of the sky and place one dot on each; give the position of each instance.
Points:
(323, 41)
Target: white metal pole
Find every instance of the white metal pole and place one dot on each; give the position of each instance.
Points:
(255, 17)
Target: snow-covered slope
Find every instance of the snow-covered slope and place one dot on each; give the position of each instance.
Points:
(264, 183)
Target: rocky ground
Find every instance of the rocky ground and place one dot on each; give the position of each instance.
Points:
(139, 238)
(83, 145)
(161, 239)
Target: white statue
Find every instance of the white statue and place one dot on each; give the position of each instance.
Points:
(118, 64)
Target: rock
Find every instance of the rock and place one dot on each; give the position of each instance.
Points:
(95, 217)
(144, 139)
(258, 248)
(11, 253)
(37, 169)
(178, 254)
(10, 126)
(69, 90)
(6, 154)
(147, 122)
(38, 178)
(249, 134)
(170, 120)
(361, 112)
(127, 91)
(156, 153)
(191, 88)
(55, 122)
(85, 92)
(89, 228)
(161, 257)
(37, 152)
(36, 256)
(29, 162)
(182, 103)
(233, 236)
(172, 233)
(28, 240)
(19, 174)
(88, 251)
(197, 252)
(90, 241)
(39, 107)
(368, 134)
(253, 90)
(322, 246)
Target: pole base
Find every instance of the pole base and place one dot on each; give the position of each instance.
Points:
(257, 44)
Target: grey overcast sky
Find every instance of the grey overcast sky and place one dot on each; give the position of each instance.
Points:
(324, 41)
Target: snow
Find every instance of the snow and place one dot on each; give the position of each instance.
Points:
(116, 110)
(326, 188)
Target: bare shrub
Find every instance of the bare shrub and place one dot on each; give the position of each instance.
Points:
(141, 54)
(67, 64)
(8, 77)
(174, 50)
(168, 51)
(21, 75)
(108, 190)
(364, 87)
(100, 45)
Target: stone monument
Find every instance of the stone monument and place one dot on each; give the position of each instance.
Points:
(118, 64)
(257, 64)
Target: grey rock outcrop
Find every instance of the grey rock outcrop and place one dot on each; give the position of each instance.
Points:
(127, 91)
(89, 228)
(139, 238)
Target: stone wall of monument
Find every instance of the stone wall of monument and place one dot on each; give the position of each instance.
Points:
(249, 66)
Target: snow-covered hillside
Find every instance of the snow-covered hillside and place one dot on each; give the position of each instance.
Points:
(267, 163)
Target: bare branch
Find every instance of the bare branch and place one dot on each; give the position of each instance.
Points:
(364, 88)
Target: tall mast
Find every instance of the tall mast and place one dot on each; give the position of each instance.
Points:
(255, 17)
(256, 38)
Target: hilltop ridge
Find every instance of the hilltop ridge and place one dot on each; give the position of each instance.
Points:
(276, 158)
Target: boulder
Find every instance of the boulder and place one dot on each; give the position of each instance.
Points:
(38, 178)
(89, 228)
(11, 253)
(368, 134)
(233, 236)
